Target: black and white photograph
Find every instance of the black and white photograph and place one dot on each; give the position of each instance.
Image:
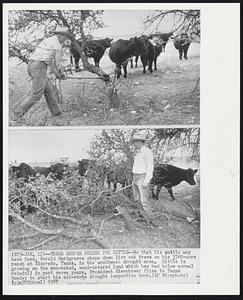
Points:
(121, 148)
(100, 67)
(104, 188)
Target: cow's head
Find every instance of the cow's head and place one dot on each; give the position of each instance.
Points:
(155, 40)
(59, 170)
(140, 45)
(190, 176)
(83, 166)
(108, 41)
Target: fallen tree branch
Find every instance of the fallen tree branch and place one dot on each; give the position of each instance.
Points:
(126, 187)
(191, 208)
(97, 198)
(82, 195)
(69, 77)
(43, 242)
(23, 237)
(61, 217)
(36, 228)
(107, 219)
(130, 224)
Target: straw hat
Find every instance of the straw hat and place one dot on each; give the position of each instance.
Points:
(61, 29)
(139, 137)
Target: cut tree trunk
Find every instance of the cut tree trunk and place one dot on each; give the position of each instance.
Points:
(130, 224)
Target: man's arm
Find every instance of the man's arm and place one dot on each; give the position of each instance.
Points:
(53, 68)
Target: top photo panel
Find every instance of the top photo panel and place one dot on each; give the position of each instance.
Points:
(103, 67)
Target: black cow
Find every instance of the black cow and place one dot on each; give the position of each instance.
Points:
(91, 169)
(161, 48)
(43, 170)
(92, 48)
(118, 175)
(157, 45)
(150, 56)
(25, 172)
(58, 170)
(167, 176)
(121, 52)
(83, 166)
(182, 44)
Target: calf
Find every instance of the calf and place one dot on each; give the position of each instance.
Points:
(121, 52)
(92, 48)
(83, 166)
(182, 44)
(118, 176)
(167, 176)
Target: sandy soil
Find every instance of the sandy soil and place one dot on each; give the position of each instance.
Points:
(165, 97)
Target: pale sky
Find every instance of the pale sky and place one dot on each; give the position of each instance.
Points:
(30, 145)
(118, 24)
(128, 23)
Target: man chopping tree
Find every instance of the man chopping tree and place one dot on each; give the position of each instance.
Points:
(143, 167)
(48, 54)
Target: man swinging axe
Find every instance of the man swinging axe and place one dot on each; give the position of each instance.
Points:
(48, 54)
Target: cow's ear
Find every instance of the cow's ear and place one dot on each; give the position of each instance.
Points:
(195, 171)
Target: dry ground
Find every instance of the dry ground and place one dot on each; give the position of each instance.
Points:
(169, 234)
(165, 97)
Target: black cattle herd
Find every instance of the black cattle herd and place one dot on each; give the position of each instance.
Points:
(148, 48)
(164, 175)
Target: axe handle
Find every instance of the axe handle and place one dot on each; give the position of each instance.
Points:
(68, 77)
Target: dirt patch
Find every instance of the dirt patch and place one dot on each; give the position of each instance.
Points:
(168, 234)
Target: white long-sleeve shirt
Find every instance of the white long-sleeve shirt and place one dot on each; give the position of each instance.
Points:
(50, 51)
(144, 163)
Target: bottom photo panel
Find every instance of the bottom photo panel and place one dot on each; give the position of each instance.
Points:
(103, 206)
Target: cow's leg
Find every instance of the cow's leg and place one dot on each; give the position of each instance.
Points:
(155, 63)
(144, 69)
(150, 66)
(152, 191)
(125, 70)
(144, 62)
(169, 189)
(185, 52)
(97, 61)
(131, 62)
(159, 187)
(76, 61)
(180, 53)
(136, 61)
